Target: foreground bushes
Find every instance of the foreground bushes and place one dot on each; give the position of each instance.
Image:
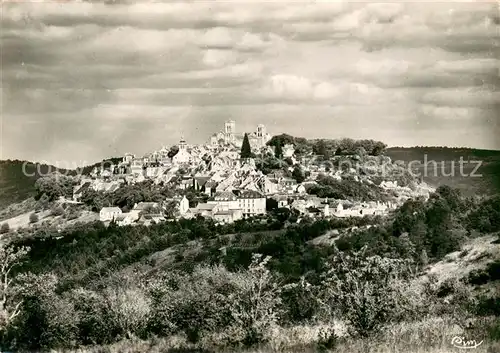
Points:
(215, 308)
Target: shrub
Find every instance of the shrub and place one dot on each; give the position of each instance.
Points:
(57, 211)
(196, 304)
(328, 340)
(5, 228)
(299, 301)
(130, 310)
(256, 304)
(363, 289)
(33, 218)
(95, 324)
(73, 214)
(46, 319)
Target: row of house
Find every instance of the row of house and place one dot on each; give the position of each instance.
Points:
(229, 206)
(142, 213)
(314, 206)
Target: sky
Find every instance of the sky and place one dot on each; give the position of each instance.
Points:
(82, 81)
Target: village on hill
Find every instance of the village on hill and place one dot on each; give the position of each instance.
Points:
(233, 185)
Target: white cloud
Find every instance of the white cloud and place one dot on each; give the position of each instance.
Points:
(358, 66)
(468, 97)
(218, 58)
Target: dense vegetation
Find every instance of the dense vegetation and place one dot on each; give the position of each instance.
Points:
(348, 189)
(330, 147)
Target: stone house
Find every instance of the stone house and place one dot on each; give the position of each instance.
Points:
(252, 203)
(109, 213)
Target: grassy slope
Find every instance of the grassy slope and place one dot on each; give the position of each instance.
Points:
(488, 183)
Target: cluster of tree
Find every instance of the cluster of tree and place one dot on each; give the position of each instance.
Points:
(53, 186)
(69, 297)
(328, 147)
(346, 189)
(268, 164)
(126, 196)
(105, 163)
(420, 229)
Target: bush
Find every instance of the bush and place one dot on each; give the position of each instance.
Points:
(328, 340)
(256, 305)
(33, 218)
(196, 304)
(5, 228)
(46, 319)
(95, 324)
(364, 290)
(73, 214)
(300, 302)
(57, 211)
(130, 310)
(215, 307)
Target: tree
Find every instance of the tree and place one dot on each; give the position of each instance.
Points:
(298, 174)
(257, 304)
(173, 151)
(53, 186)
(5, 228)
(361, 152)
(364, 289)
(378, 149)
(322, 149)
(246, 150)
(9, 305)
(57, 210)
(271, 204)
(278, 150)
(424, 259)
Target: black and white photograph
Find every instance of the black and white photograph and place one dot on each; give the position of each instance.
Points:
(250, 176)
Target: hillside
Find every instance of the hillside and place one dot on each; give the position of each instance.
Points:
(17, 178)
(446, 171)
(182, 280)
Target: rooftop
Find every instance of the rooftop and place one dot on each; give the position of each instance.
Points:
(111, 209)
(225, 196)
(145, 205)
(250, 194)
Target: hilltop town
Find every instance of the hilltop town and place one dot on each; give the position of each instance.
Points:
(230, 188)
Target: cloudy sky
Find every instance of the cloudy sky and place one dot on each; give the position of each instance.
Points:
(84, 81)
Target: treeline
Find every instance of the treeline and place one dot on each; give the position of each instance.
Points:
(347, 189)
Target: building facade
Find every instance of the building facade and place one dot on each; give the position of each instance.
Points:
(252, 203)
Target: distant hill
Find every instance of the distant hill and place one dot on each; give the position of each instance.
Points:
(17, 179)
(443, 167)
